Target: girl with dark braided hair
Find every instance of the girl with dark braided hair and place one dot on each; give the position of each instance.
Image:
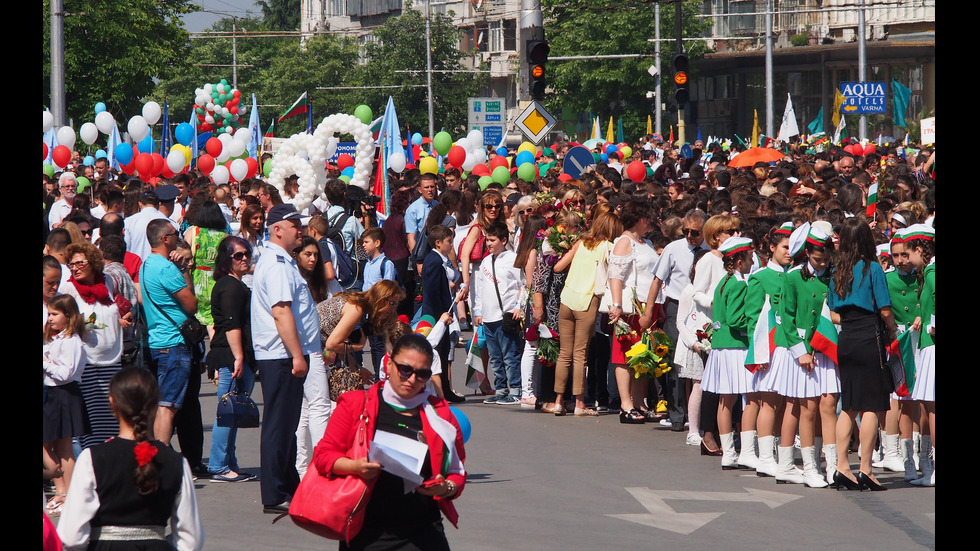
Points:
(126, 492)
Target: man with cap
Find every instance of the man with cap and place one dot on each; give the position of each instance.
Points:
(136, 224)
(547, 160)
(285, 331)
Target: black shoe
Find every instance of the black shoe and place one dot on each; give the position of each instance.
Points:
(632, 417)
(846, 483)
(868, 483)
(454, 398)
(276, 509)
(200, 471)
(677, 427)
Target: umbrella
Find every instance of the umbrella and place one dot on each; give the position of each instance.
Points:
(591, 143)
(754, 155)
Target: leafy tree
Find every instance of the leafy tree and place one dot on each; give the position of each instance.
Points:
(281, 15)
(614, 87)
(114, 51)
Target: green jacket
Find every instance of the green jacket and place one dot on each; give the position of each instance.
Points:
(904, 292)
(927, 305)
(800, 307)
(728, 313)
(765, 282)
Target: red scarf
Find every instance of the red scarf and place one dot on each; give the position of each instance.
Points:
(97, 292)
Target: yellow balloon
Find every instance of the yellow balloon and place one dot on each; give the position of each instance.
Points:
(527, 146)
(627, 152)
(186, 151)
(429, 165)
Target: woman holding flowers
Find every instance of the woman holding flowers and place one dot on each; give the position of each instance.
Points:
(630, 269)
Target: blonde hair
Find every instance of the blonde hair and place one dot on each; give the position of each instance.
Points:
(605, 227)
(717, 223)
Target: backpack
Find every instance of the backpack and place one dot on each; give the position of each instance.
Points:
(343, 266)
(422, 247)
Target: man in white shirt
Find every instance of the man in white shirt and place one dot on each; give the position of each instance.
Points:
(135, 234)
(60, 208)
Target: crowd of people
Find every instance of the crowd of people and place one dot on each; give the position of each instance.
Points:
(738, 271)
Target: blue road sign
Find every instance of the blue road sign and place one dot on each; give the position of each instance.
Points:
(577, 160)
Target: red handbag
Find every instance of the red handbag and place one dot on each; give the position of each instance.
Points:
(333, 506)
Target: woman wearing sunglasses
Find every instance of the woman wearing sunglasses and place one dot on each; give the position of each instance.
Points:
(401, 407)
(474, 247)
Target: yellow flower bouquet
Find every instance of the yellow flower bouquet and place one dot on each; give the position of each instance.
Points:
(652, 356)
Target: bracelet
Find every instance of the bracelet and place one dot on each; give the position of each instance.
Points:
(616, 305)
(452, 490)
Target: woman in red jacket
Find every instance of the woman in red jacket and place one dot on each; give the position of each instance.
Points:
(400, 405)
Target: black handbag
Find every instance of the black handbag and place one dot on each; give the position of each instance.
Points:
(237, 409)
(511, 326)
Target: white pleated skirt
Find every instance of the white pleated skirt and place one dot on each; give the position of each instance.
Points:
(925, 375)
(795, 382)
(725, 372)
(767, 380)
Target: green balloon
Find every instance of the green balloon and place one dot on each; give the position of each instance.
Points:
(344, 178)
(267, 167)
(485, 181)
(500, 175)
(526, 172)
(442, 142)
(48, 170)
(364, 114)
(200, 110)
(83, 183)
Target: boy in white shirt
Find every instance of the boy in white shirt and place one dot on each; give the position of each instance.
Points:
(497, 294)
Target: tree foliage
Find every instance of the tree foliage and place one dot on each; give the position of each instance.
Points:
(615, 87)
(280, 15)
(114, 51)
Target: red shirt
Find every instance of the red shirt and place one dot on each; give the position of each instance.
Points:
(132, 263)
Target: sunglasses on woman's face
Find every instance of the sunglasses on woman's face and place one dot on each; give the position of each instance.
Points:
(492, 206)
(528, 211)
(240, 255)
(406, 372)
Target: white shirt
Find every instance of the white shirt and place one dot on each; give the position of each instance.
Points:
(59, 210)
(64, 360)
(277, 279)
(135, 233)
(507, 282)
(674, 267)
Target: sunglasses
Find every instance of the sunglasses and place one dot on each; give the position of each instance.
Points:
(241, 255)
(691, 233)
(493, 206)
(406, 372)
(527, 211)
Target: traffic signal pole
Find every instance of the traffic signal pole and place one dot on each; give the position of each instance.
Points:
(530, 29)
(680, 50)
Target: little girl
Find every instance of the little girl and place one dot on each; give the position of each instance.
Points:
(920, 242)
(725, 372)
(129, 490)
(63, 360)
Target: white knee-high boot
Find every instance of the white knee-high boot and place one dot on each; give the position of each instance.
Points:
(729, 458)
(811, 477)
(747, 458)
(767, 460)
(787, 472)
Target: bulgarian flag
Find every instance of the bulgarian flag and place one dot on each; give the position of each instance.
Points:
(904, 348)
(825, 337)
(474, 364)
(763, 342)
(296, 108)
(872, 200)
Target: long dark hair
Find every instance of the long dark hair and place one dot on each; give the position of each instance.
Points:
(529, 238)
(856, 244)
(317, 279)
(208, 215)
(247, 232)
(729, 263)
(928, 253)
(223, 259)
(135, 395)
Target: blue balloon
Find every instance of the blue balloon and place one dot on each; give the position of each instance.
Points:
(146, 146)
(88, 160)
(349, 171)
(611, 147)
(604, 158)
(524, 157)
(464, 423)
(124, 153)
(417, 138)
(99, 107)
(502, 151)
(101, 154)
(184, 134)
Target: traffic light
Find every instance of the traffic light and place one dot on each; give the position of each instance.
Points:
(537, 57)
(681, 77)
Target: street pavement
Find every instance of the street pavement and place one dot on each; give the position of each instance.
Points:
(536, 481)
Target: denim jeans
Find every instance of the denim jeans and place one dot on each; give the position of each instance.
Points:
(173, 368)
(222, 457)
(505, 357)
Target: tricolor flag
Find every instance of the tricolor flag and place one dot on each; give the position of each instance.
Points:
(763, 342)
(825, 337)
(872, 200)
(298, 107)
(904, 347)
(474, 364)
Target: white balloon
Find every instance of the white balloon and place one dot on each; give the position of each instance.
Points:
(89, 133)
(105, 122)
(138, 128)
(209, 119)
(151, 112)
(221, 88)
(475, 137)
(225, 140)
(175, 160)
(220, 174)
(397, 161)
(242, 109)
(66, 136)
(236, 147)
(209, 88)
(239, 169)
(469, 162)
(480, 155)
(243, 135)
(332, 143)
(465, 144)
(48, 121)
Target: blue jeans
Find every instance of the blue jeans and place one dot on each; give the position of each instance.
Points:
(505, 357)
(222, 457)
(173, 367)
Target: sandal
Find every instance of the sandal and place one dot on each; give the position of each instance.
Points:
(54, 507)
(559, 410)
(586, 412)
(632, 417)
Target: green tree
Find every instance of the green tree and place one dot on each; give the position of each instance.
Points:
(114, 51)
(281, 15)
(615, 87)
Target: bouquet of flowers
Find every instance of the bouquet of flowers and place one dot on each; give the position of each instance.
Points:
(704, 339)
(625, 334)
(547, 345)
(652, 356)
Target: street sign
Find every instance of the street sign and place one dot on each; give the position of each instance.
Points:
(577, 160)
(488, 116)
(863, 97)
(535, 122)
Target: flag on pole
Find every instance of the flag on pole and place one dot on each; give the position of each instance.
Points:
(816, 125)
(299, 107)
(900, 102)
(620, 137)
(253, 128)
(410, 155)
(670, 140)
(649, 125)
(165, 139)
(872, 200)
(839, 100)
(474, 364)
(755, 128)
(763, 342)
(390, 140)
(194, 146)
(309, 115)
(839, 132)
(904, 348)
(825, 337)
(114, 140)
(788, 128)
(609, 131)
(698, 139)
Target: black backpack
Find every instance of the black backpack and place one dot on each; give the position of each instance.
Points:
(343, 264)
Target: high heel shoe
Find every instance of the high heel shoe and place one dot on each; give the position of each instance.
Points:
(866, 481)
(706, 451)
(846, 483)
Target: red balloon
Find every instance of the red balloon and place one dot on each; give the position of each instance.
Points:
(236, 93)
(144, 165)
(166, 172)
(253, 166)
(205, 127)
(233, 110)
(499, 160)
(158, 163)
(61, 156)
(456, 156)
(213, 146)
(205, 163)
(636, 171)
(44, 156)
(481, 170)
(130, 168)
(344, 161)
(870, 148)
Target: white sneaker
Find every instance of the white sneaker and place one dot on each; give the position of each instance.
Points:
(693, 439)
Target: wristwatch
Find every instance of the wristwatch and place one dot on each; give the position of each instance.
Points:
(615, 305)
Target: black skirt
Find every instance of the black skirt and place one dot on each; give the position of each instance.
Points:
(863, 382)
(64, 413)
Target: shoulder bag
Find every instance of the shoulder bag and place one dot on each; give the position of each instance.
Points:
(191, 330)
(511, 326)
(237, 409)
